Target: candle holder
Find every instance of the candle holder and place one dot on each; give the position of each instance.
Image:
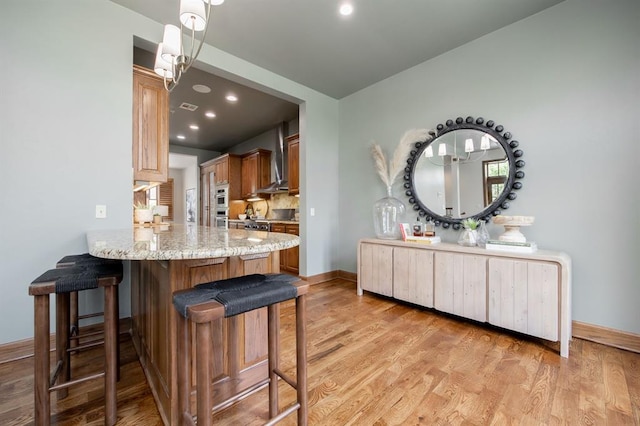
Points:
(512, 226)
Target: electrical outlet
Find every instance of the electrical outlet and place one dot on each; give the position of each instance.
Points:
(312, 211)
(101, 211)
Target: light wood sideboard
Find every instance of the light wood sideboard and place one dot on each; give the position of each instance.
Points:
(528, 293)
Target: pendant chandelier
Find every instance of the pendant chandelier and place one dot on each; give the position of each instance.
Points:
(171, 57)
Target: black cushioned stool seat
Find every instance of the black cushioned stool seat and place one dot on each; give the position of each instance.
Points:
(225, 298)
(77, 341)
(62, 282)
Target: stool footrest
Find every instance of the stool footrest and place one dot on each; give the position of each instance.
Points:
(291, 409)
(76, 381)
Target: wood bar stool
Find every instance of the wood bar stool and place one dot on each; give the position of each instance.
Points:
(208, 302)
(77, 341)
(62, 282)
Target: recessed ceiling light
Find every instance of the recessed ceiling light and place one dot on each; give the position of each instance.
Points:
(210, 114)
(346, 9)
(231, 97)
(181, 137)
(201, 88)
(194, 127)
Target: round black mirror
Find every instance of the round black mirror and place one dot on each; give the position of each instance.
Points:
(468, 169)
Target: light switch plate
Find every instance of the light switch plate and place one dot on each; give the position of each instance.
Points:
(101, 211)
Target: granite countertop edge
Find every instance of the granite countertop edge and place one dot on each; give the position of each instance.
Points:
(174, 244)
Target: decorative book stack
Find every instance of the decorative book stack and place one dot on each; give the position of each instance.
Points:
(518, 247)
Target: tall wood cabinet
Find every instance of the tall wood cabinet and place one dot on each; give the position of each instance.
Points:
(293, 163)
(527, 293)
(222, 170)
(150, 126)
(256, 171)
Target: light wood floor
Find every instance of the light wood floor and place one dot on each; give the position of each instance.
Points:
(373, 361)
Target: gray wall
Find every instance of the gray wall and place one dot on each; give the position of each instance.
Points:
(566, 83)
(65, 139)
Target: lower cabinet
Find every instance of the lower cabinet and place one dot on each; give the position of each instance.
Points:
(523, 296)
(527, 293)
(413, 276)
(289, 258)
(461, 285)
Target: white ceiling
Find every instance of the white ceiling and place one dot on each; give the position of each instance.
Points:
(307, 41)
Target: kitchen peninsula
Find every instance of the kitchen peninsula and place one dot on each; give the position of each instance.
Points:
(166, 259)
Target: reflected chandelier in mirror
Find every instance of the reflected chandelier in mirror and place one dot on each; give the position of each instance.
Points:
(468, 169)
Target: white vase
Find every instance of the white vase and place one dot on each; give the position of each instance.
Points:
(143, 215)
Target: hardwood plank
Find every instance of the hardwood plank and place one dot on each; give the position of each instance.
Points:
(373, 361)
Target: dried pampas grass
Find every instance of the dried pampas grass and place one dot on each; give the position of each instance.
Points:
(388, 174)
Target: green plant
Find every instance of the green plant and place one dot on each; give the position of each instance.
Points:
(157, 214)
(140, 206)
(470, 223)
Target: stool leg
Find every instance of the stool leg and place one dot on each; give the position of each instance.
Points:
(204, 351)
(62, 341)
(184, 369)
(117, 315)
(73, 317)
(41, 360)
(301, 359)
(110, 347)
(273, 333)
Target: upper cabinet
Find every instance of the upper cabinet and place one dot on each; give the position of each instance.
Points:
(256, 171)
(293, 163)
(150, 126)
(227, 170)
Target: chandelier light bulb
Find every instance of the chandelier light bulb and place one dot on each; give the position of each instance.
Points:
(468, 145)
(171, 43)
(484, 143)
(192, 14)
(442, 150)
(161, 67)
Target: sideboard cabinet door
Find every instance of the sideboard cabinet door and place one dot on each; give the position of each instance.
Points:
(413, 276)
(523, 296)
(461, 285)
(377, 268)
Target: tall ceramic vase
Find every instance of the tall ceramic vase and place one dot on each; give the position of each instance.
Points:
(387, 216)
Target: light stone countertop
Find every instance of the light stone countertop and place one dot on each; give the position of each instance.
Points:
(184, 242)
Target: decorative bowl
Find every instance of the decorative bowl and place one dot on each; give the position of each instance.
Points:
(242, 216)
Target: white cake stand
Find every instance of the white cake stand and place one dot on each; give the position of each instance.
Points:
(512, 226)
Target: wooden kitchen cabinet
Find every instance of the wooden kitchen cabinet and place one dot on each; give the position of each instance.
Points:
(289, 258)
(293, 163)
(256, 171)
(207, 194)
(240, 354)
(529, 293)
(150, 126)
(222, 170)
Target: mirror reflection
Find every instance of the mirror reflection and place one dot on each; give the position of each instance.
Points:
(469, 168)
(460, 173)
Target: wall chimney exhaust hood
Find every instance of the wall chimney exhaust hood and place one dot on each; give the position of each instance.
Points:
(280, 185)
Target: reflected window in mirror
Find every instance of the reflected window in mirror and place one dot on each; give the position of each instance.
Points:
(496, 173)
